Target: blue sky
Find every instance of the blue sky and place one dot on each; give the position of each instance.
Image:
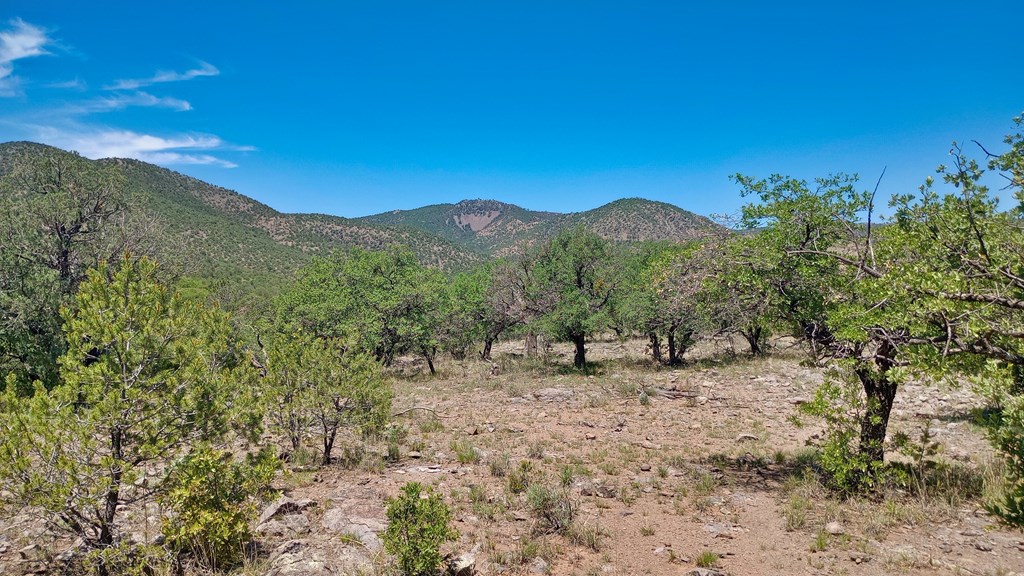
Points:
(353, 108)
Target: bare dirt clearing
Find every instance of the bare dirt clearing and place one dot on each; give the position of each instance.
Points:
(665, 469)
(670, 468)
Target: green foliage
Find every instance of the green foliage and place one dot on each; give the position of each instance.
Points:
(520, 477)
(707, 559)
(1007, 435)
(553, 507)
(213, 501)
(146, 376)
(126, 558)
(316, 386)
(572, 287)
(509, 228)
(819, 280)
(60, 214)
(464, 312)
(839, 403)
(381, 303)
(663, 295)
(417, 528)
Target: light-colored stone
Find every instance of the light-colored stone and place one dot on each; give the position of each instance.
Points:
(465, 563)
(553, 394)
(835, 528)
(337, 521)
(283, 506)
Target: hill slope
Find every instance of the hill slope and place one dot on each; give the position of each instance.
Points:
(496, 228)
(220, 235)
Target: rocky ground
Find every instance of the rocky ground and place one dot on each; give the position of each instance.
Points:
(668, 468)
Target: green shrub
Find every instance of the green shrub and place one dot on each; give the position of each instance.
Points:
(124, 559)
(554, 510)
(214, 500)
(417, 528)
(1006, 432)
(845, 469)
(500, 465)
(520, 477)
(707, 559)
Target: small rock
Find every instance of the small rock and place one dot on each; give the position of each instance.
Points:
(599, 490)
(983, 546)
(540, 566)
(415, 454)
(553, 394)
(834, 528)
(28, 552)
(465, 564)
(703, 572)
(282, 506)
(472, 430)
(859, 558)
(645, 467)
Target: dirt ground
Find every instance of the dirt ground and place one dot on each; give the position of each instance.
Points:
(661, 480)
(667, 470)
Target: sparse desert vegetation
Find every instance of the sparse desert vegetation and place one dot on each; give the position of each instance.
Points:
(807, 391)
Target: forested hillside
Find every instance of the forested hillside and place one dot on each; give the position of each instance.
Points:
(496, 228)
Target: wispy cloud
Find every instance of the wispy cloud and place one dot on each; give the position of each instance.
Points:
(60, 122)
(204, 69)
(21, 40)
(73, 84)
(115, 143)
(122, 101)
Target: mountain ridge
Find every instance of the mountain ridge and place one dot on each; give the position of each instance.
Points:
(497, 228)
(213, 231)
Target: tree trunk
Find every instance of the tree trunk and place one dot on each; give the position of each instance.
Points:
(655, 346)
(880, 392)
(686, 342)
(580, 359)
(753, 336)
(429, 355)
(329, 436)
(113, 495)
(673, 358)
(531, 345)
(486, 354)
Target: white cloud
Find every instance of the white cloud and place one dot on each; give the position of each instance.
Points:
(73, 84)
(114, 143)
(205, 69)
(21, 40)
(121, 101)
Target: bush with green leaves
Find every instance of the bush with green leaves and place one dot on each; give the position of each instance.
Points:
(213, 500)
(317, 387)
(123, 558)
(418, 526)
(553, 507)
(146, 377)
(840, 405)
